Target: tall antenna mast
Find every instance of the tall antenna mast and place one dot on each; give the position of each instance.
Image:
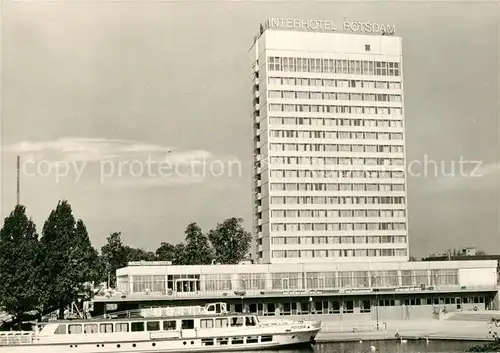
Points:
(18, 177)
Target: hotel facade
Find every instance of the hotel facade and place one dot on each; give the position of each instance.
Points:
(329, 146)
(330, 196)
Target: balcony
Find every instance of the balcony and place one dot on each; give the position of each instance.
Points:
(257, 106)
(256, 81)
(256, 94)
(257, 132)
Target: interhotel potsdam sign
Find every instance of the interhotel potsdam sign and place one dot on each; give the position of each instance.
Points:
(327, 26)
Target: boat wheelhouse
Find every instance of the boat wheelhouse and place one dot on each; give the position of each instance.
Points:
(209, 328)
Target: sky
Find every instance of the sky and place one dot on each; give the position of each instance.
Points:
(139, 113)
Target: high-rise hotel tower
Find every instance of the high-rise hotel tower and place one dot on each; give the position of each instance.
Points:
(329, 144)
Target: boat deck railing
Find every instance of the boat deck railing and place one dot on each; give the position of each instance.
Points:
(166, 312)
(16, 338)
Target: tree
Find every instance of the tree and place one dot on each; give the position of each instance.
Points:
(197, 249)
(230, 240)
(170, 252)
(134, 254)
(179, 254)
(19, 285)
(66, 258)
(100, 270)
(166, 252)
(86, 258)
(114, 256)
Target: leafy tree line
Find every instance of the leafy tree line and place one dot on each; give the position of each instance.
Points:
(50, 271)
(228, 243)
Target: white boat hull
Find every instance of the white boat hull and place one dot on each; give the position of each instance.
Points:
(208, 330)
(166, 345)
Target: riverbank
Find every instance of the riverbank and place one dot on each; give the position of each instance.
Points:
(333, 330)
(418, 329)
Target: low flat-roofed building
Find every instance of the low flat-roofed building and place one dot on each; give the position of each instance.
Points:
(394, 288)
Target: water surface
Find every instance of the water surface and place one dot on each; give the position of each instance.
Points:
(392, 346)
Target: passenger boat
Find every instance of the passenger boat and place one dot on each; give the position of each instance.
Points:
(160, 330)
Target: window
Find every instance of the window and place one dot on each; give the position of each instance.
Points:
(137, 326)
(106, 328)
(122, 327)
(274, 80)
(274, 94)
(279, 253)
(187, 324)
(74, 329)
(292, 253)
(237, 340)
(365, 306)
(349, 306)
(153, 326)
(61, 330)
(250, 321)
(274, 63)
(169, 325)
(207, 342)
(222, 341)
(386, 302)
(221, 323)
(237, 321)
(206, 323)
(252, 339)
(91, 328)
(266, 338)
(367, 47)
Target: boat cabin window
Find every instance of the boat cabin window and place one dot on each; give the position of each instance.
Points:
(215, 307)
(237, 321)
(206, 323)
(253, 339)
(90, 328)
(137, 326)
(250, 321)
(187, 324)
(222, 341)
(221, 323)
(169, 325)
(237, 340)
(74, 329)
(153, 325)
(60, 330)
(121, 327)
(106, 328)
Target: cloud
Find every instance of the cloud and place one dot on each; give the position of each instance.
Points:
(120, 163)
(98, 149)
